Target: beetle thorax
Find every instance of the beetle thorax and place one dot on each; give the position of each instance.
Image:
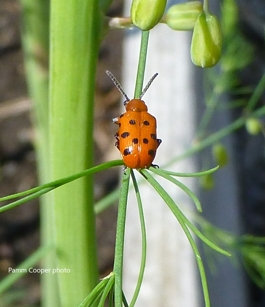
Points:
(136, 105)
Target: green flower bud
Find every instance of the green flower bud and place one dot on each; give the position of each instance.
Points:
(145, 14)
(220, 154)
(183, 16)
(206, 41)
(207, 182)
(253, 126)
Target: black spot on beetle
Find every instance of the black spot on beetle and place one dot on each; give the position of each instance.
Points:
(132, 121)
(146, 123)
(125, 134)
(153, 136)
(151, 152)
(145, 141)
(127, 152)
(135, 141)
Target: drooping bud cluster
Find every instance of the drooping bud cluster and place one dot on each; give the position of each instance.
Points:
(206, 44)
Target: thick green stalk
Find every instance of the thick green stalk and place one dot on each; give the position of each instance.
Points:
(35, 38)
(75, 31)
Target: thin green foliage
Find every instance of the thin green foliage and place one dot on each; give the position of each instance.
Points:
(252, 250)
(181, 186)
(144, 241)
(255, 97)
(47, 187)
(95, 294)
(120, 232)
(106, 201)
(106, 291)
(113, 196)
(125, 303)
(25, 199)
(216, 136)
(178, 212)
(246, 248)
(197, 174)
(179, 215)
(111, 298)
(182, 221)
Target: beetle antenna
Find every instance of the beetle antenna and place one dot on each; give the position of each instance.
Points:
(148, 84)
(117, 84)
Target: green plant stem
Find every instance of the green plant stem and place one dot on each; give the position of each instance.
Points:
(59, 182)
(106, 291)
(95, 294)
(213, 138)
(213, 103)
(125, 303)
(211, 106)
(47, 187)
(120, 232)
(75, 36)
(25, 199)
(258, 91)
(141, 64)
(185, 226)
(179, 214)
(189, 175)
(144, 242)
(106, 201)
(182, 186)
(206, 6)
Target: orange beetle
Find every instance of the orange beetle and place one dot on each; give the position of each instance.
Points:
(136, 138)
